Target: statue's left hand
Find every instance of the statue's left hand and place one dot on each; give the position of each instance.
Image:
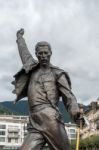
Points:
(79, 119)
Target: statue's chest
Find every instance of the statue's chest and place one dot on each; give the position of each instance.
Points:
(44, 81)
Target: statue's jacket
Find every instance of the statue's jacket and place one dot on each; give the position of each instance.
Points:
(21, 83)
(41, 119)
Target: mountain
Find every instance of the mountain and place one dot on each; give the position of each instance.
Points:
(5, 110)
(21, 108)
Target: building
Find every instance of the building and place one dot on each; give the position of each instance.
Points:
(93, 118)
(12, 131)
(71, 130)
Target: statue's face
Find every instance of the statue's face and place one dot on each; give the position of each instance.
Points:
(43, 54)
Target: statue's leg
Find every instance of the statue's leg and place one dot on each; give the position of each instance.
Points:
(56, 136)
(33, 141)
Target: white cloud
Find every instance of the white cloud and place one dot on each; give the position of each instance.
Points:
(71, 26)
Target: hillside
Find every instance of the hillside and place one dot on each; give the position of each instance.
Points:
(20, 108)
(4, 110)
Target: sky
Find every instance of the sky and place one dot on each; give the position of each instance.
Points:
(72, 29)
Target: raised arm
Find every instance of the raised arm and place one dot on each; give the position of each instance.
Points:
(27, 59)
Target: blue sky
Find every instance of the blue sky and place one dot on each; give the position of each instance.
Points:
(72, 29)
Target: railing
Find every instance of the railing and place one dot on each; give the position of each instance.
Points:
(13, 136)
(13, 130)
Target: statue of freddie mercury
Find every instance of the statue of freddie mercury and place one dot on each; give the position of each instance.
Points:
(44, 84)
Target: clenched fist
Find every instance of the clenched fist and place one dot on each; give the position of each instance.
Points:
(20, 33)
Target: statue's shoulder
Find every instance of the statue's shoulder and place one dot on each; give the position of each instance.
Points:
(59, 72)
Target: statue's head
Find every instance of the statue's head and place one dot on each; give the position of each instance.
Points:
(43, 52)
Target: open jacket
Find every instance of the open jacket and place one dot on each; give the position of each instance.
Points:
(23, 76)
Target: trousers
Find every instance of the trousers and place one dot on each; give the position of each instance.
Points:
(55, 135)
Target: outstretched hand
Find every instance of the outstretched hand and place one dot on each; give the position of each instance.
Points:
(20, 33)
(79, 119)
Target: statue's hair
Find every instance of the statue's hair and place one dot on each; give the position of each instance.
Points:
(41, 44)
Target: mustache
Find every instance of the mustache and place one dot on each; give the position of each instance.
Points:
(44, 59)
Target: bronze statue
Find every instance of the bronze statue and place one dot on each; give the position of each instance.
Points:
(44, 84)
